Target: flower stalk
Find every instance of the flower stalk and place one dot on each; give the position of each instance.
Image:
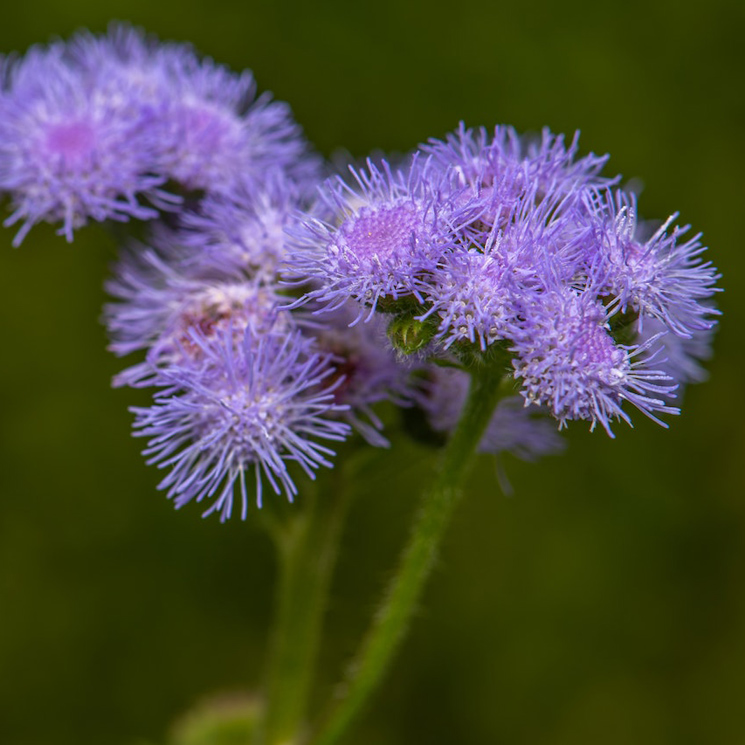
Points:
(307, 546)
(391, 621)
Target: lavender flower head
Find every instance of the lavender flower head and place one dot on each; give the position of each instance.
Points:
(484, 278)
(263, 403)
(256, 299)
(657, 274)
(244, 232)
(569, 362)
(162, 298)
(508, 164)
(378, 242)
(209, 131)
(66, 154)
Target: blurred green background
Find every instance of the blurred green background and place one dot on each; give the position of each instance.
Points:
(603, 603)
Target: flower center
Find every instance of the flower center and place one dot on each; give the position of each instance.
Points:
(382, 233)
(71, 141)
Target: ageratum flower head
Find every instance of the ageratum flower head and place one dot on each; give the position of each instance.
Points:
(509, 165)
(261, 404)
(655, 272)
(243, 233)
(378, 242)
(66, 154)
(210, 131)
(483, 280)
(163, 299)
(517, 222)
(569, 362)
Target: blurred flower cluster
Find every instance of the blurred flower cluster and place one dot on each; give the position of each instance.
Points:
(273, 304)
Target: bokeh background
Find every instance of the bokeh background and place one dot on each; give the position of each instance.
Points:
(603, 602)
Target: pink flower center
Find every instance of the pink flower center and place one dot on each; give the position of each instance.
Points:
(71, 141)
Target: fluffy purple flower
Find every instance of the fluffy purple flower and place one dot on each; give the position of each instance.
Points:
(505, 166)
(522, 242)
(162, 303)
(216, 135)
(262, 403)
(417, 231)
(209, 130)
(483, 281)
(660, 276)
(378, 243)
(243, 234)
(570, 363)
(513, 427)
(89, 125)
(473, 297)
(66, 154)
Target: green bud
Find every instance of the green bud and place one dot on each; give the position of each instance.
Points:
(408, 335)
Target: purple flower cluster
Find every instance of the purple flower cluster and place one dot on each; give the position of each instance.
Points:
(259, 299)
(500, 240)
(242, 382)
(122, 126)
(97, 127)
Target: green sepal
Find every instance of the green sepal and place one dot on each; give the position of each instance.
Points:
(408, 334)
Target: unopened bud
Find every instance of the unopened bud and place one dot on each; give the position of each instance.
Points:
(409, 335)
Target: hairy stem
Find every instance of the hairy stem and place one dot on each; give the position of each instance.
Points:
(390, 623)
(307, 547)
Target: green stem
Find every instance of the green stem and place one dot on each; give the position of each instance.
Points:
(390, 622)
(307, 547)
